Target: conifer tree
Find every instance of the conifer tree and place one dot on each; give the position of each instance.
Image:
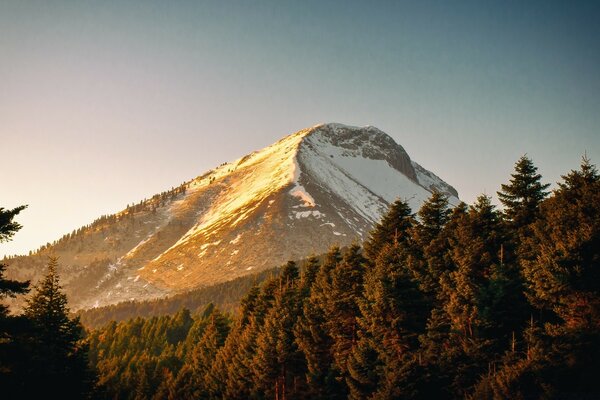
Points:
(389, 229)
(564, 276)
(476, 244)
(60, 363)
(429, 253)
(13, 357)
(192, 381)
(8, 288)
(309, 275)
(313, 338)
(393, 314)
(522, 196)
(341, 305)
(278, 363)
(232, 375)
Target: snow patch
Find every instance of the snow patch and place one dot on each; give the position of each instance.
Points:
(303, 195)
(306, 214)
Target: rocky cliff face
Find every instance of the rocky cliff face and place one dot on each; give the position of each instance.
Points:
(320, 186)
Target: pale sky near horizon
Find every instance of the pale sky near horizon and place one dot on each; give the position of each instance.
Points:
(106, 103)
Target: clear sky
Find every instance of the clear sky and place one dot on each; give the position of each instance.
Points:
(104, 103)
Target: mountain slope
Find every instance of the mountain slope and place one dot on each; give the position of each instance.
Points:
(319, 186)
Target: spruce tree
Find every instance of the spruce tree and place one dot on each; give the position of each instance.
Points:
(523, 194)
(341, 305)
(313, 338)
(13, 353)
(563, 273)
(389, 229)
(279, 364)
(193, 380)
(476, 243)
(429, 252)
(393, 314)
(60, 364)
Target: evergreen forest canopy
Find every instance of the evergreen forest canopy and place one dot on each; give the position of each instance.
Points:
(463, 302)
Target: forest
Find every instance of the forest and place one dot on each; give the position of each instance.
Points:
(464, 302)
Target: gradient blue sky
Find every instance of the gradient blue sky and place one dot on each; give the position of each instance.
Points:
(103, 103)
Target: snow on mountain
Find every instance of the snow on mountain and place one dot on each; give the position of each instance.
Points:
(320, 186)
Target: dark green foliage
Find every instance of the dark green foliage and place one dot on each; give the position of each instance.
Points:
(389, 229)
(564, 276)
(466, 302)
(314, 338)
(523, 195)
(8, 226)
(393, 314)
(59, 362)
(429, 254)
(13, 352)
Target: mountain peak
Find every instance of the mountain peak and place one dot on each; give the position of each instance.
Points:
(368, 142)
(328, 184)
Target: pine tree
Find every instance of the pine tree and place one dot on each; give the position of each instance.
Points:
(429, 252)
(393, 314)
(389, 229)
(313, 338)
(309, 275)
(8, 288)
(522, 196)
(563, 272)
(476, 244)
(193, 380)
(279, 364)
(60, 364)
(340, 306)
(13, 356)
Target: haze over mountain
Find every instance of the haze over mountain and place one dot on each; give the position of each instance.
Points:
(320, 186)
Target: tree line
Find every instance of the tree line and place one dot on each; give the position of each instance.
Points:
(463, 302)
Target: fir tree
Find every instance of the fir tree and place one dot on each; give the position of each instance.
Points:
(313, 338)
(389, 229)
(278, 363)
(13, 356)
(193, 380)
(476, 243)
(429, 253)
(523, 195)
(564, 276)
(393, 314)
(60, 364)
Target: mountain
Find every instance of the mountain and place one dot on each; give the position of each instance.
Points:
(320, 186)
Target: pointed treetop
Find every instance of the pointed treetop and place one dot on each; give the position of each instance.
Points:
(522, 196)
(587, 174)
(391, 229)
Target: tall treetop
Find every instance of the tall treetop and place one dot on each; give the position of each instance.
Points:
(523, 194)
